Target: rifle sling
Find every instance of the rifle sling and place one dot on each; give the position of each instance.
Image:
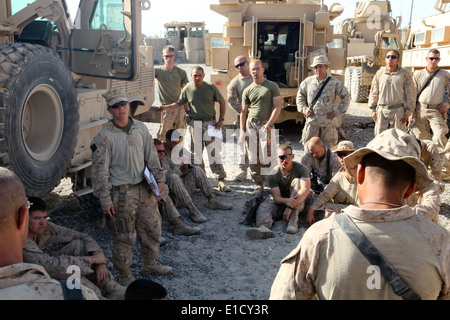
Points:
(319, 93)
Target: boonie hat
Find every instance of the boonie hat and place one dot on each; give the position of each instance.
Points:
(319, 60)
(117, 95)
(344, 146)
(393, 144)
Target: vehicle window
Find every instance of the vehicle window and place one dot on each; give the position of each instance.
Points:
(108, 13)
(389, 43)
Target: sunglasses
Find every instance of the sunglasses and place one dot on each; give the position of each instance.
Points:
(169, 55)
(391, 56)
(285, 156)
(240, 64)
(160, 151)
(434, 58)
(342, 154)
(119, 104)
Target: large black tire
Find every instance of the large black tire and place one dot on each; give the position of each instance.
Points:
(359, 93)
(348, 78)
(38, 116)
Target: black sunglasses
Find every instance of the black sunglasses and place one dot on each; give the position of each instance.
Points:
(285, 156)
(169, 55)
(391, 56)
(119, 104)
(434, 58)
(240, 64)
(160, 151)
(342, 154)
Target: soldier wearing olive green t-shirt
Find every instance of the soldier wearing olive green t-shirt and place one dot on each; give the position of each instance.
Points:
(171, 79)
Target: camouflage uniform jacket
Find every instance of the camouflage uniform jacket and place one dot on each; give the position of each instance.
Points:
(392, 88)
(311, 162)
(54, 237)
(326, 263)
(338, 184)
(235, 89)
(26, 281)
(434, 93)
(326, 103)
(119, 158)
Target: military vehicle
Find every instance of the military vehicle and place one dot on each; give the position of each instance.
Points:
(368, 36)
(53, 72)
(429, 33)
(285, 35)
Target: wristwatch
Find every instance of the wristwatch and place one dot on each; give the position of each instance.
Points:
(221, 119)
(270, 124)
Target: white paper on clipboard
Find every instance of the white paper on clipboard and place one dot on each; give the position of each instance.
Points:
(213, 132)
(151, 181)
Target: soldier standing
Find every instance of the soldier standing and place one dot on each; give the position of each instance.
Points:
(235, 90)
(392, 97)
(432, 105)
(261, 106)
(120, 153)
(171, 79)
(321, 113)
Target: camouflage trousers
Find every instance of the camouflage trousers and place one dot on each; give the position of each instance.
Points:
(199, 139)
(268, 211)
(136, 215)
(328, 134)
(431, 119)
(166, 207)
(182, 187)
(389, 118)
(171, 119)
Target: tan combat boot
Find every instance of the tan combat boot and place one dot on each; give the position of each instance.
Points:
(223, 186)
(216, 205)
(126, 278)
(180, 228)
(263, 232)
(113, 289)
(195, 215)
(292, 226)
(241, 176)
(151, 266)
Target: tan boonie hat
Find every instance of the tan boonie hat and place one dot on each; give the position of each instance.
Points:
(117, 95)
(319, 60)
(344, 146)
(393, 144)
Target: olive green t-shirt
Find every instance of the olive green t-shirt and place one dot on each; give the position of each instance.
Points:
(259, 98)
(170, 83)
(201, 100)
(276, 178)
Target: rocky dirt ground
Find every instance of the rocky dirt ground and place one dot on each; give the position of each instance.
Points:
(220, 263)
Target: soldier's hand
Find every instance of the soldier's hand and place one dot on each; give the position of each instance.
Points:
(443, 108)
(331, 115)
(310, 219)
(404, 118)
(101, 272)
(374, 116)
(98, 258)
(160, 187)
(109, 210)
(309, 113)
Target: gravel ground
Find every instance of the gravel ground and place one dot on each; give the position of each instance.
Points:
(220, 263)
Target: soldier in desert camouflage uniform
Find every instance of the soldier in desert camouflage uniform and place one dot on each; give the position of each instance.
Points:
(171, 79)
(392, 97)
(65, 247)
(432, 105)
(322, 118)
(120, 152)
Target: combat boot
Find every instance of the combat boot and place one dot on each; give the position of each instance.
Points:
(113, 289)
(292, 226)
(216, 205)
(241, 176)
(126, 278)
(195, 215)
(263, 232)
(151, 266)
(180, 228)
(223, 186)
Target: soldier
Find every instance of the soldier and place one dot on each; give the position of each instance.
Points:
(183, 178)
(201, 97)
(322, 117)
(65, 247)
(261, 106)
(289, 188)
(328, 264)
(235, 90)
(321, 162)
(392, 97)
(120, 153)
(341, 191)
(432, 105)
(19, 280)
(171, 79)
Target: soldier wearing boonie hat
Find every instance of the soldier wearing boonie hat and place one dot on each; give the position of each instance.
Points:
(322, 117)
(386, 172)
(115, 96)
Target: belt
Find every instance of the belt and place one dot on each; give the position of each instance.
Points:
(391, 106)
(429, 106)
(130, 186)
(257, 121)
(204, 120)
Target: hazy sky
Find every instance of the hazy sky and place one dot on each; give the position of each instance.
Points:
(163, 11)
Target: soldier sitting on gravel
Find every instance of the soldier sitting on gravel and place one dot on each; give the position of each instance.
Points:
(289, 186)
(67, 247)
(182, 179)
(342, 189)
